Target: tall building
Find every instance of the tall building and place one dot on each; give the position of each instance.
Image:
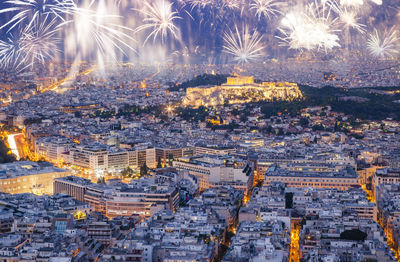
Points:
(72, 186)
(90, 157)
(99, 157)
(52, 148)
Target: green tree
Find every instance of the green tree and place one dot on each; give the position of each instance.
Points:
(30, 121)
(304, 121)
(5, 154)
(101, 180)
(318, 127)
(354, 234)
(159, 165)
(201, 80)
(170, 159)
(127, 172)
(144, 169)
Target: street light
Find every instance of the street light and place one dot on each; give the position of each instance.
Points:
(169, 110)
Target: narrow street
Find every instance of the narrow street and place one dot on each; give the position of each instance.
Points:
(294, 243)
(389, 237)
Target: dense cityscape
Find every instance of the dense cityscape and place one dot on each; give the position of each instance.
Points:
(200, 130)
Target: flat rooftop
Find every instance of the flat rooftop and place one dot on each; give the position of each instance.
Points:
(343, 173)
(26, 168)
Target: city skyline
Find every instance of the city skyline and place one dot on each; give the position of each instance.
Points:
(200, 130)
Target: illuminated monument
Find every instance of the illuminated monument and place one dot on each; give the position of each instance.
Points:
(241, 89)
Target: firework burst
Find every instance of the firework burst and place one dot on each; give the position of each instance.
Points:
(39, 42)
(26, 11)
(94, 30)
(199, 3)
(10, 53)
(350, 20)
(354, 3)
(266, 8)
(160, 18)
(244, 46)
(347, 16)
(357, 3)
(309, 29)
(35, 45)
(383, 45)
(229, 4)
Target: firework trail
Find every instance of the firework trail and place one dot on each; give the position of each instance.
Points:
(349, 19)
(266, 8)
(35, 44)
(27, 11)
(97, 31)
(10, 53)
(383, 45)
(310, 29)
(39, 42)
(358, 3)
(347, 16)
(244, 46)
(160, 18)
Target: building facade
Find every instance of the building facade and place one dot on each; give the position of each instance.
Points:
(29, 177)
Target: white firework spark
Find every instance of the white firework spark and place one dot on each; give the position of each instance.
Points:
(39, 42)
(160, 18)
(10, 53)
(350, 20)
(266, 8)
(383, 45)
(96, 31)
(232, 4)
(36, 44)
(312, 28)
(244, 46)
(200, 3)
(28, 10)
(353, 3)
(229, 4)
(358, 3)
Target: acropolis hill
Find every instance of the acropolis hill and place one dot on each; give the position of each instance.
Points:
(241, 89)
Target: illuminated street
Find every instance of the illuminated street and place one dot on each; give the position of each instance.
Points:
(13, 145)
(294, 244)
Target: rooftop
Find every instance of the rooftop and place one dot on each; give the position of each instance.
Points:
(26, 168)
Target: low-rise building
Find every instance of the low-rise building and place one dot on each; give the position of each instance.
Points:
(29, 177)
(385, 176)
(216, 171)
(142, 197)
(342, 179)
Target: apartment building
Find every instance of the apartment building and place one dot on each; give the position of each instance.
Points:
(343, 179)
(142, 197)
(215, 171)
